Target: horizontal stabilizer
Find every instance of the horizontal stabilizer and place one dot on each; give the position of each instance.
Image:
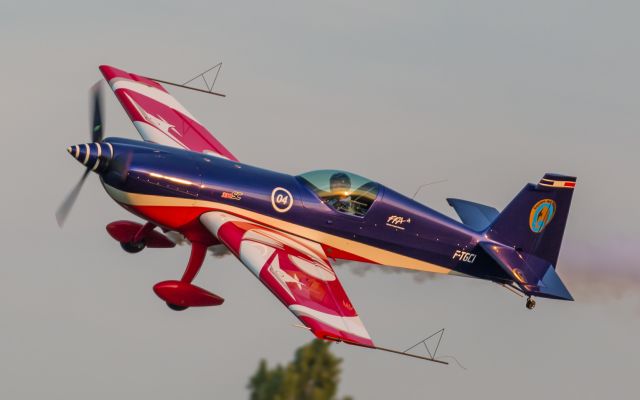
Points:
(474, 215)
(535, 276)
(551, 286)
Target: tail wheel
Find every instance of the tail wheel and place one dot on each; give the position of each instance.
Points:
(133, 247)
(176, 307)
(531, 303)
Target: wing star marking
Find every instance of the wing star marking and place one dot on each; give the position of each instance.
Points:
(157, 121)
(283, 278)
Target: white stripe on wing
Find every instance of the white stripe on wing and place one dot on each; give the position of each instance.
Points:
(151, 92)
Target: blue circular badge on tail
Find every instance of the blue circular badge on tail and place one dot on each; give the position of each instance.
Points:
(541, 214)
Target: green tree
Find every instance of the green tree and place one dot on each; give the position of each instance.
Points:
(313, 374)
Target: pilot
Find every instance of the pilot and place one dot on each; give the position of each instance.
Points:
(340, 198)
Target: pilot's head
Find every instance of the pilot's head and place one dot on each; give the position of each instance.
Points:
(340, 184)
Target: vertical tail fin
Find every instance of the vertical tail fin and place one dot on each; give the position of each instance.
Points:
(526, 236)
(535, 219)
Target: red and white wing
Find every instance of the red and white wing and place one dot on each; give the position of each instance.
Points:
(158, 116)
(296, 271)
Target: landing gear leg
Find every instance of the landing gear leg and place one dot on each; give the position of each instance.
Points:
(198, 252)
(144, 231)
(531, 303)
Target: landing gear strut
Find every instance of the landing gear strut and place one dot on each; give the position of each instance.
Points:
(531, 303)
(198, 252)
(182, 294)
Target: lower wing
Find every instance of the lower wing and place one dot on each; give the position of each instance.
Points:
(296, 271)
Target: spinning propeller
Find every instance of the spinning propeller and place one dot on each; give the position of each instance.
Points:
(83, 154)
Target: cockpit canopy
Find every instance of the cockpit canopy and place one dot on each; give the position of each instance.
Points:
(343, 191)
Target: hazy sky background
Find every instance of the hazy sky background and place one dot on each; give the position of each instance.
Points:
(488, 95)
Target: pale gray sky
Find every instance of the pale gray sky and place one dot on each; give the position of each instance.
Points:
(488, 95)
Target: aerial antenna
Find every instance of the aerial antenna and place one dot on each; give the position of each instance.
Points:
(425, 185)
(431, 351)
(432, 355)
(202, 75)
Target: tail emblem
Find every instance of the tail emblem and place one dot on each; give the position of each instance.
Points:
(541, 214)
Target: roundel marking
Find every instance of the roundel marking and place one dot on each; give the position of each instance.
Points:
(281, 199)
(541, 214)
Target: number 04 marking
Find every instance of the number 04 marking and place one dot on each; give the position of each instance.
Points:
(281, 199)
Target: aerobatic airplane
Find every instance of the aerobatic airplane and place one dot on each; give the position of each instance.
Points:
(288, 229)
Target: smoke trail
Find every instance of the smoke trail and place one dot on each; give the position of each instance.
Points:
(176, 237)
(219, 251)
(601, 271)
(361, 269)
(593, 272)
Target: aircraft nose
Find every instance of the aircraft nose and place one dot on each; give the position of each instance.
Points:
(95, 156)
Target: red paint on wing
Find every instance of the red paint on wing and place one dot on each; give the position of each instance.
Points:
(181, 128)
(325, 296)
(308, 283)
(110, 72)
(323, 331)
(232, 235)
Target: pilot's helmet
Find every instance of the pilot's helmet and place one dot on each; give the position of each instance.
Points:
(340, 183)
